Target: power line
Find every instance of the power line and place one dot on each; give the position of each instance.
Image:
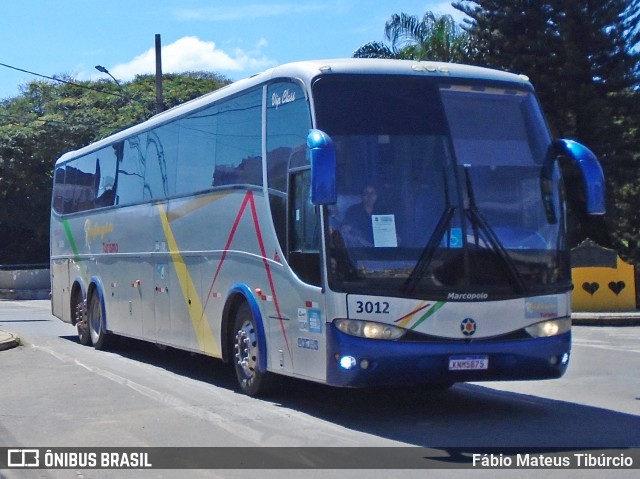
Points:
(64, 81)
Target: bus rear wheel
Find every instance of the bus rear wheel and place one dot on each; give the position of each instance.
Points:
(95, 318)
(252, 381)
(80, 311)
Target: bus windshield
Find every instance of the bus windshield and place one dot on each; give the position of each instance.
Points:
(441, 192)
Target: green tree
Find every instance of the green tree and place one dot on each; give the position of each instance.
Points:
(432, 37)
(632, 26)
(48, 119)
(578, 54)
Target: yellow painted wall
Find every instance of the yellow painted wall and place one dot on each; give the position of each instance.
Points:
(595, 288)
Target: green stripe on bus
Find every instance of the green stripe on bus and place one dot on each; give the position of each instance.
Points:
(72, 243)
(432, 310)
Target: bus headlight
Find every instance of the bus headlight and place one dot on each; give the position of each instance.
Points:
(549, 328)
(369, 329)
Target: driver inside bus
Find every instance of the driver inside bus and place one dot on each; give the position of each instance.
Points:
(357, 228)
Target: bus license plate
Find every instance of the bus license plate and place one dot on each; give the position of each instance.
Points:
(468, 363)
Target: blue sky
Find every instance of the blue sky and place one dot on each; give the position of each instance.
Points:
(235, 38)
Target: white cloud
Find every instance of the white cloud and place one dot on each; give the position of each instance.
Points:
(193, 54)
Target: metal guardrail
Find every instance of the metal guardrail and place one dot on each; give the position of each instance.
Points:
(25, 281)
(11, 267)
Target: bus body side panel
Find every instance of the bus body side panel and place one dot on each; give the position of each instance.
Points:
(60, 290)
(302, 317)
(167, 269)
(235, 245)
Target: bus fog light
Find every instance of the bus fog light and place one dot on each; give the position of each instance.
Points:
(347, 362)
(364, 364)
(549, 328)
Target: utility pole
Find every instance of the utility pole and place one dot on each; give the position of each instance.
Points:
(159, 95)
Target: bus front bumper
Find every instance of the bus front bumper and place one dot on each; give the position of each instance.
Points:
(359, 362)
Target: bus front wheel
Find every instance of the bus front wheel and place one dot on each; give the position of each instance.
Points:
(253, 382)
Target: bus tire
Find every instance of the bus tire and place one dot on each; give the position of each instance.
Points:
(79, 308)
(252, 381)
(96, 320)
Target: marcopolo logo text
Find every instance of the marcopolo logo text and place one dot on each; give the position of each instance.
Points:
(468, 296)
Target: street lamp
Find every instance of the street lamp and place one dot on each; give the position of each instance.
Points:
(137, 104)
(159, 92)
(102, 69)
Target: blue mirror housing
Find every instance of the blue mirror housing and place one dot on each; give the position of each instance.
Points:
(592, 174)
(323, 168)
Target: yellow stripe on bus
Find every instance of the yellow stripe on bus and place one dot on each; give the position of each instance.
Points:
(204, 335)
(194, 205)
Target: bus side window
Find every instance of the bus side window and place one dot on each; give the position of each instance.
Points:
(304, 229)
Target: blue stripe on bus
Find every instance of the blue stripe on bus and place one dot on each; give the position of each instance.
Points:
(412, 363)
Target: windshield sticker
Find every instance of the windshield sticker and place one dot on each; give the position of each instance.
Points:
(384, 231)
(454, 239)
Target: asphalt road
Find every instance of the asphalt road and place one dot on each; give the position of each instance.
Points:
(56, 393)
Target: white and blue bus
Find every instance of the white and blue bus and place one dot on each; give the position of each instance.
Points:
(350, 222)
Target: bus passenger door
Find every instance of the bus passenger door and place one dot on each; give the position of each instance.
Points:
(304, 303)
(303, 229)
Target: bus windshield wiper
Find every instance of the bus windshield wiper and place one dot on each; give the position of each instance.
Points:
(480, 224)
(430, 249)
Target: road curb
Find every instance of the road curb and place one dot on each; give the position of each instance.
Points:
(606, 319)
(8, 340)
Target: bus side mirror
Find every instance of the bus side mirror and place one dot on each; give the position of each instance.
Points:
(592, 175)
(323, 168)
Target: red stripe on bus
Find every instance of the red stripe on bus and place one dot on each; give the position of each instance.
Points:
(249, 199)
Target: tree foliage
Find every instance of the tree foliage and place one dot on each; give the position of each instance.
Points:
(580, 57)
(583, 57)
(50, 118)
(432, 37)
